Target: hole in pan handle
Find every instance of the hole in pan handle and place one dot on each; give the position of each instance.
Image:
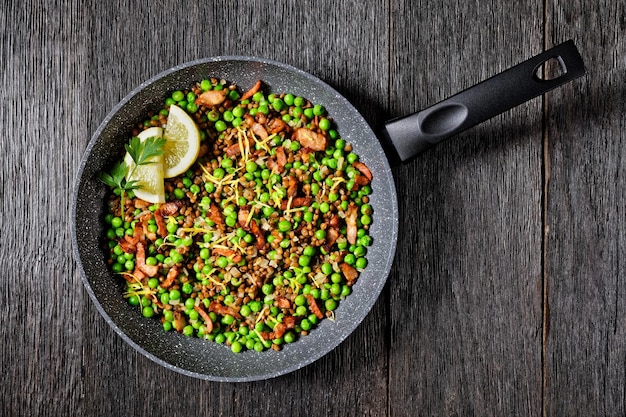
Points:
(413, 134)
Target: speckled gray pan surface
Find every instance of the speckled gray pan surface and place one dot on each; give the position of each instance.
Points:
(202, 358)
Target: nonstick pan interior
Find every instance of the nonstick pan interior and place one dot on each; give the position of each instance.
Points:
(201, 358)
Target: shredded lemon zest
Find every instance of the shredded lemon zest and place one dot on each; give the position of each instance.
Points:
(249, 218)
(336, 182)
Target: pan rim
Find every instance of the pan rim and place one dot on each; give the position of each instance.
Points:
(392, 234)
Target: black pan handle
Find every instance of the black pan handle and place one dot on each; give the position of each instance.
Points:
(413, 134)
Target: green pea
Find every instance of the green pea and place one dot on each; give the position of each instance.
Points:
(187, 289)
(360, 263)
(251, 166)
(116, 222)
(191, 107)
(188, 330)
(267, 289)
(319, 110)
(284, 226)
(278, 104)
(330, 304)
(296, 112)
(324, 124)
(305, 324)
(345, 291)
(205, 85)
(289, 337)
(220, 125)
(227, 163)
(213, 116)
(133, 300)
(245, 310)
(222, 262)
(178, 95)
(289, 99)
(304, 260)
(299, 101)
(174, 295)
(147, 311)
(227, 319)
(258, 96)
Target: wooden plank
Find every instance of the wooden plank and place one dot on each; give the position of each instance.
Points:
(41, 296)
(465, 293)
(586, 216)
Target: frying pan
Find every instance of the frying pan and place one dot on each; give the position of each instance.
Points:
(404, 138)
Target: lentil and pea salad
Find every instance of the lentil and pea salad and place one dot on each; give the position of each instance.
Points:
(262, 237)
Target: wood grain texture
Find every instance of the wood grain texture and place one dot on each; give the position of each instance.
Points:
(507, 293)
(467, 340)
(586, 244)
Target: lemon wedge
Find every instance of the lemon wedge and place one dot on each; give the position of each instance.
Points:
(149, 177)
(182, 143)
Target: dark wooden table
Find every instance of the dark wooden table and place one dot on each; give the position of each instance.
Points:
(508, 292)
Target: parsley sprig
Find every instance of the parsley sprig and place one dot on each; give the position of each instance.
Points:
(141, 153)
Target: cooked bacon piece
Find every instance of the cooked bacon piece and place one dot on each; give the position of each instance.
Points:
(310, 139)
(313, 307)
(161, 227)
(179, 321)
(334, 221)
(170, 208)
(141, 204)
(259, 131)
(167, 209)
(281, 158)
(128, 243)
(172, 274)
(331, 237)
(289, 322)
(296, 202)
(364, 169)
(258, 234)
(351, 215)
(215, 215)
(233, 150)
(207, 320)
(223, 310)
(349, 272)
(361, 180)
(248, 94)
(277, 125)
(140, 259)
(211, 98)
(144, 225)
(242, 217)
(283, 302)
(127, 246)
(292, 187)
(229, 253)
